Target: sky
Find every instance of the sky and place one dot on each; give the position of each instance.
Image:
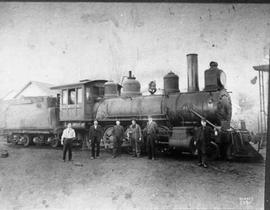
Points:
(62, 43)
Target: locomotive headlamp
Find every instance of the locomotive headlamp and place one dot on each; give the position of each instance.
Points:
(152, 87)
(222, 78)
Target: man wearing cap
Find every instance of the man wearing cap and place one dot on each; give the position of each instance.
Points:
(152, 134)
(95, 136)
(66, 140)
(203, 140)
(118, 134)
(135, 135)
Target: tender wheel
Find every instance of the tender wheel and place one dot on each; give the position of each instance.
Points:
(13, 139)
(54, 142)
(26, 140)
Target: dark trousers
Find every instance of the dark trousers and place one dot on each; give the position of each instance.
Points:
(151, 146)
(95, 143)
(67, 147)
(117, 142)
(136, 147)
(201, 152)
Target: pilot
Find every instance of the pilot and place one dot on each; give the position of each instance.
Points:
(95, 137)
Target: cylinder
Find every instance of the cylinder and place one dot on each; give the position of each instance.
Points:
(192, 72)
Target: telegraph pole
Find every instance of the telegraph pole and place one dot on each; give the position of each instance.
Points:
(267, 161)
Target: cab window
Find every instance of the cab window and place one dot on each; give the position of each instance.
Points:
(71, 96)
(79, 95)
(88, 93)
(64, 97)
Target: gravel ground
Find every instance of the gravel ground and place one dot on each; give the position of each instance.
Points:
(36, 178)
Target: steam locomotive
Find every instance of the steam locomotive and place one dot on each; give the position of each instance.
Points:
(177, 114)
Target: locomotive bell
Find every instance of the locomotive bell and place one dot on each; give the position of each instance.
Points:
(171, 83)
(131, 87)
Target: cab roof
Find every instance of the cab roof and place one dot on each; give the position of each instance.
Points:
(81, 83)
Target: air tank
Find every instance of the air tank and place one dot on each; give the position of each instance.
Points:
(171, 83)
(131, 87)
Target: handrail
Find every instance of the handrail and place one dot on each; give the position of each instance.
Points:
(200, 116)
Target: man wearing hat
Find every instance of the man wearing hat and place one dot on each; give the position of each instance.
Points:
(203, 140)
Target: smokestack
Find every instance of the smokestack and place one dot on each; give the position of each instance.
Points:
(129, 74)
(192, 72)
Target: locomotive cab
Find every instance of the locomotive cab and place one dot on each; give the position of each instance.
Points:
(77, 100)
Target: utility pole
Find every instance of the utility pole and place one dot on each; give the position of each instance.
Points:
(267, 161)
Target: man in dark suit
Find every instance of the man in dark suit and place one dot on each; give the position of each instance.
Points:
(118, 135)
(152, 135)
(95, 136)
(203, 140)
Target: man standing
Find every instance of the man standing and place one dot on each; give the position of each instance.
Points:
(152, 132)
(118, 134)
(204, 134)
(66, 140)
(135, 135)
(95, 136)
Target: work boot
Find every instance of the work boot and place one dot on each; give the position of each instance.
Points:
(200, 164)
(204, 165)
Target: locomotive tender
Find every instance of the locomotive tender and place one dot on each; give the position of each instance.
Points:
(177, 114)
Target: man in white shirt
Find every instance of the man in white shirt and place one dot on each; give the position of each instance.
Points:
(66, 140)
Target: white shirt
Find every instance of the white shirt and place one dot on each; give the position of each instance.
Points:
(68, 133)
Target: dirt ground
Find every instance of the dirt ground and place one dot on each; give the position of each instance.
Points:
(36, 178)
